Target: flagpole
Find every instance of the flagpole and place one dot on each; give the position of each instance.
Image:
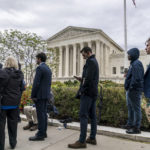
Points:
(125, 35)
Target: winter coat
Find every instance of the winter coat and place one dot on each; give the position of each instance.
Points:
(135, 76)
(90, 78)
(12, 87)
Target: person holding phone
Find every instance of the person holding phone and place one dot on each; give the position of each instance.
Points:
(87, 94)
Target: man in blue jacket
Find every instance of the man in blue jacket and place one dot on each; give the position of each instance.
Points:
(134, 87)
(147, 73)
(87, 94)
(40, 95)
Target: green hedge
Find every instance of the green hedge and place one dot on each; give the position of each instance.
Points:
(113, 112)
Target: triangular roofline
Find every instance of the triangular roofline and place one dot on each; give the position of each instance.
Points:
(87, 29)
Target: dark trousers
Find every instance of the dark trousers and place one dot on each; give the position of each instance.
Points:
(19, 118)
(41, 109)
(87, 109)
(11, 116)
(134, 108)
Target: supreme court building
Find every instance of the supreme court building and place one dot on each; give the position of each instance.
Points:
(109, 54)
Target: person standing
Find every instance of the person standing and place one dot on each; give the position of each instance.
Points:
(147, 73)
(40, 95)
(87, 94)
(11, 88)
(31, 115)
(134, 83)
(147, 81)
(23, 89)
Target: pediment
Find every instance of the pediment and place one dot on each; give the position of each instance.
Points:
(71, 32)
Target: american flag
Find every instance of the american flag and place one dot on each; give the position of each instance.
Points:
(134, 3)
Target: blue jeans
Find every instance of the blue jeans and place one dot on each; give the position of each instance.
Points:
(41, 109)
(134, 108)
(87, 109)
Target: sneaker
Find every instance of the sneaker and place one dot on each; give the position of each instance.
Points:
(28, 126)
(134, 131)
(77, 145)
(36, 138)
(34, 127)
(91, 141)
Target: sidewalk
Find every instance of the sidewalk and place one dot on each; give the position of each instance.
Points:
(58, 139)
(102, 130)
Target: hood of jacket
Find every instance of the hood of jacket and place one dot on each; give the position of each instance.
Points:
(134, 54)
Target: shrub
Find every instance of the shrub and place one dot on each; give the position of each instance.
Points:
(26, 97)
(72, 83)
(114, 110)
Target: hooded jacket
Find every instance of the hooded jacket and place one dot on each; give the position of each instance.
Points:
(135, 76)
(12, 88)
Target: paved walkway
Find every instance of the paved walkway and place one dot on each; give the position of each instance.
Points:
(59, 138)
(104, 130)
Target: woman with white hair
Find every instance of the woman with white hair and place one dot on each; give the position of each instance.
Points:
(11, 95)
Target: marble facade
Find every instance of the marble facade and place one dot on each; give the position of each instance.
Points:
(71, 40)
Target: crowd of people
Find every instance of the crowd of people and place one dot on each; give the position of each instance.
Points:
(12, 85)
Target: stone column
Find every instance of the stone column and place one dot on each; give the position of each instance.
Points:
(104, 60)
(60, 61)
(70, 61)
(67, 62)
(107, 61)
(81, 59)
(101, 59)
(98, 53)
(74, 60)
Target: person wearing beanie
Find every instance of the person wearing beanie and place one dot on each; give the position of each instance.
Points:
(134, 83)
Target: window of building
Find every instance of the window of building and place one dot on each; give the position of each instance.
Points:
(114, 52)
(114, 70)
(122, 70)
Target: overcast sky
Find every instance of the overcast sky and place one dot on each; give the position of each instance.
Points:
(47, 17)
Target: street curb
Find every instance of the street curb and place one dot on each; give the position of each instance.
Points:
(102, 130)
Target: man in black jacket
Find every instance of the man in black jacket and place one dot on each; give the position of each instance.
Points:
(40, 95)
(134, 87)
(87, 94)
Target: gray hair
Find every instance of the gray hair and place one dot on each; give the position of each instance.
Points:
(11, 62)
